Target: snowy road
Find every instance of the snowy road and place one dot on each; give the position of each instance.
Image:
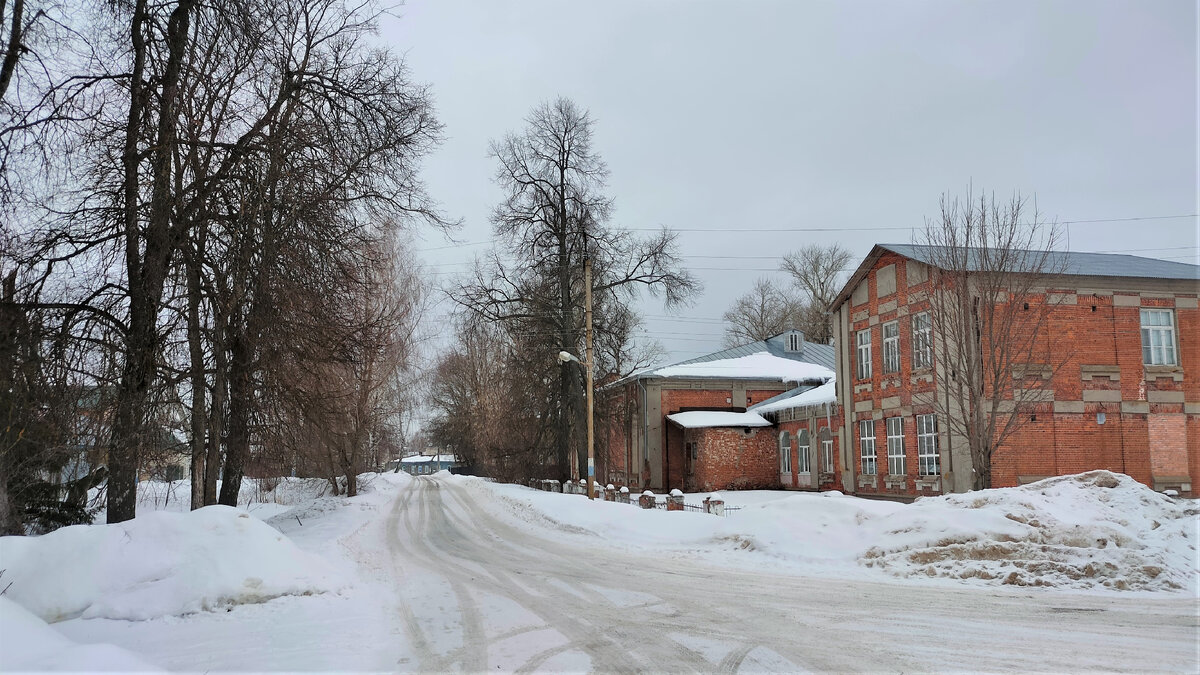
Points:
(478, 594)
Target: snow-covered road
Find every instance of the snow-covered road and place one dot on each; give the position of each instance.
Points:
(476, 594)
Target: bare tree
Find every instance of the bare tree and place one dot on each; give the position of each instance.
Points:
(990, 264)
(765, 311)
(816, 271)
(552, 218)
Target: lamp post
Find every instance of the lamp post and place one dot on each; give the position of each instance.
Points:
(565, 356)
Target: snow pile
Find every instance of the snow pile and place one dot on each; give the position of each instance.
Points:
(1083, 531)
(31, 645)
(158, 564)
(760, 366)
(1096, 530)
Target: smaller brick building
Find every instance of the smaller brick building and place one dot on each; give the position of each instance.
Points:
(643, 449)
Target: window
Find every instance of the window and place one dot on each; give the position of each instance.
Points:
(794, 341)
(863, 339)
(826, 452)
(1158, 338)
(802, 461)
(895, 445)
(866, 446)
(785, 452)
(922, 341)
(891, 347)
(928, 461)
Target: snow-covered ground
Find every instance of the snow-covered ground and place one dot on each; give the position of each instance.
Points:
(455, 573)
(1092, 531)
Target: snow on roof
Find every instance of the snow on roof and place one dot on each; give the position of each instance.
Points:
(699, 419)
(760, 366)
(826, 393)
(422, 459)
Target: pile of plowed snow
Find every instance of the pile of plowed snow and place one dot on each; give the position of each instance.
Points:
(31, 645)
(1096, 529)
(158, 564)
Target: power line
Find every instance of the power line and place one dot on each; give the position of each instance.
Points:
(886, 229)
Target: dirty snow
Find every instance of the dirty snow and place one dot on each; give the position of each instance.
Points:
(760, 366)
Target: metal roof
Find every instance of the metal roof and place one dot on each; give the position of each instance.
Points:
(812, 352)
(1074, 263)
(1079, 263)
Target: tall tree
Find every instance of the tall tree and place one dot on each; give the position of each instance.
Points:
(553, 216)
(765, 311)
(989, 262)
(816, 271)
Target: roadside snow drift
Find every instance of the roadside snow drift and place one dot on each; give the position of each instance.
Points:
(1082, 531)
(158, 564)
(31, 645)
(1096, 530)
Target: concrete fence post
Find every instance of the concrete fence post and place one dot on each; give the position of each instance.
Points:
(610, 493)
(623, 495)
(675, 500)
(646, 501)
(714, 504)
(555, 486)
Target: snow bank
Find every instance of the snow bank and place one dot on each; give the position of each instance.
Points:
(1096, 529)
(31, 645)
(158, 564)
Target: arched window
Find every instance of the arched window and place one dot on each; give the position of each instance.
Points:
(802, 461)
(826, 451)
(785, 452)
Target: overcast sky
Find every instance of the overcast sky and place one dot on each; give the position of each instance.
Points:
(734, 116)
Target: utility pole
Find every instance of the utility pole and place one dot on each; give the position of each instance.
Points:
(591, 439)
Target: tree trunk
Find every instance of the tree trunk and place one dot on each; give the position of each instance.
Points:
(198, 383)
(216, 414)
(241, 391)
(147, 271)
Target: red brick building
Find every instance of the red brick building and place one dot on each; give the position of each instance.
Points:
(645, 449)
(1127, 399)
(808, 436)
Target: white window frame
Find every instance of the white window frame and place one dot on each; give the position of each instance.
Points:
(785, 452)
(929, 462)
(803, 462)
(1159, 347)
(827, 453)
(793, 342)
(862, 340)
(922, 341)
(895, 445)
(891, 347)
(866, 447)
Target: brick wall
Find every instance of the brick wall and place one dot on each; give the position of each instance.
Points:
(733, 458)
(1151, 415)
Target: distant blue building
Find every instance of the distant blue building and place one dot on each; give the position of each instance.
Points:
(421, 465)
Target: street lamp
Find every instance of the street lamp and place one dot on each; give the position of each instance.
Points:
(565, 356)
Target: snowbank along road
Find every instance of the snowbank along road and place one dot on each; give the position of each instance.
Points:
(476, 594)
